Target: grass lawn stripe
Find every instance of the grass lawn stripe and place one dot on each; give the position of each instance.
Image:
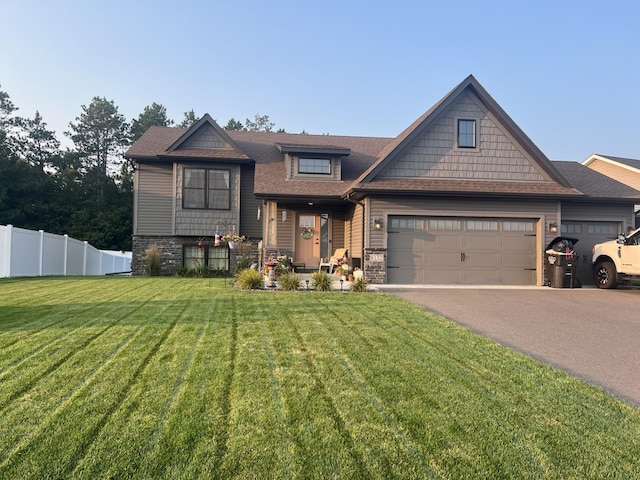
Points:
(258, 441)
(327, 431)
(400, 453)
(199, 422)
(59, 446)
(24, 420)
(143, 416)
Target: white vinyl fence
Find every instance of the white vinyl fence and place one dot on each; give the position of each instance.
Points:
(27, 253)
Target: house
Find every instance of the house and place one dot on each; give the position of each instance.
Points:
(462, 196)
(624, 170)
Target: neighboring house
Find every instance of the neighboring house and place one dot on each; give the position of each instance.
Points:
(624, 170)
(462, 196)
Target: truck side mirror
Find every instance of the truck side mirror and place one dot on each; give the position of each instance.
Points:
(622, 238)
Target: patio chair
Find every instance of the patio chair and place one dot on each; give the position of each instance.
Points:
(334, 261)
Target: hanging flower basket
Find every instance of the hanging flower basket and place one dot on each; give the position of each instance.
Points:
(233, 240)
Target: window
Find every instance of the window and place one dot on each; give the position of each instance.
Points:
(320, 166)
(206, 188)
(214, 257)
(466, 133)
(482, 225)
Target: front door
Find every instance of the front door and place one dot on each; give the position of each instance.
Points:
(312, 234)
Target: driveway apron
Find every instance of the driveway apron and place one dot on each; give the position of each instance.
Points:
(593, 334)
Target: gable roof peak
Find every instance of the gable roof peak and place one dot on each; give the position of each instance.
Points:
(192, 131)
(419, 126)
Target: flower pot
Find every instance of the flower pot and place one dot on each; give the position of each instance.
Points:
(233, 245)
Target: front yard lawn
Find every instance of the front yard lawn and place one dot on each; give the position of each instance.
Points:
(189, 378)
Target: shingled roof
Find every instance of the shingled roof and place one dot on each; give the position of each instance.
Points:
(594, 184)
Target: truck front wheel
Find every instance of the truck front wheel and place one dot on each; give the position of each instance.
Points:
(604, 275)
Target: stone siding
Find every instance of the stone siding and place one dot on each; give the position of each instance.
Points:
(171, 252)
(375, 265)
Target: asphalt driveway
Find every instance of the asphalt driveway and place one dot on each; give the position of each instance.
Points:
(593, 334)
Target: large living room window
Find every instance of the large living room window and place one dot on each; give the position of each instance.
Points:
(314, 166)
(206, 188)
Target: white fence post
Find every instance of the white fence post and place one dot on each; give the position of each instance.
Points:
(41, 265)
(66, 253)
(5, 253)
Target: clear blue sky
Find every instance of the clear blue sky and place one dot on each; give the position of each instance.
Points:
(564, 70)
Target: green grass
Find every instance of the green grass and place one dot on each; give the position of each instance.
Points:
(189, 378)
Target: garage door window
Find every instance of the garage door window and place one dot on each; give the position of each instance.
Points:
(513, 226)
(601, 229)
(444, 224)
(571, 228)
(483, 225)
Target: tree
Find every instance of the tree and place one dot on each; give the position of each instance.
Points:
(189, 119)
(38, 146)
(153, 115)
(6, 122)
(100, 134)
(234, 124)
(260, 123)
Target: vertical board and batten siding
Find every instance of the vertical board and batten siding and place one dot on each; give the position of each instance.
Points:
(203, 222)
(154, 199)
(286, 231)
(435, 155)
(621, 174)
(250, 226)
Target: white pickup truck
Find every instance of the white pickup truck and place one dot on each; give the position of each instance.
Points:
(617, 261)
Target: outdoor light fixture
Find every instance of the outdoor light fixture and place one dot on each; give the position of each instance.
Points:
(377, 224)
(553, 227)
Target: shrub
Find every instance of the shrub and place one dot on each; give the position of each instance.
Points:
(249, 279)
(358, 285)
(152, 266)
(289, 281)
(321, 281)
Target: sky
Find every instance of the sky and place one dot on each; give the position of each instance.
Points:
(564, 70)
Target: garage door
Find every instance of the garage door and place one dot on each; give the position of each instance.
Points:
(456, 250)
(588, 234)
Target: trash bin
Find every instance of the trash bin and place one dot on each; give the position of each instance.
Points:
(560, 264)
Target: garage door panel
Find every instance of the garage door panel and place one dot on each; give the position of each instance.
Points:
(462, 251)
(588, 235)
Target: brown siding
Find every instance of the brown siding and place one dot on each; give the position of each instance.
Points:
(337, 231)
(154, 214)
(435, 155)
(622, 175)
(354, 231)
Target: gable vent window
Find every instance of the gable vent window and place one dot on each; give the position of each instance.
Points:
(206, 188)
(466, 133)
(315, 166)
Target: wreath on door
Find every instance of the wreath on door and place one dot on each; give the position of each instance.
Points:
(307, 233)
